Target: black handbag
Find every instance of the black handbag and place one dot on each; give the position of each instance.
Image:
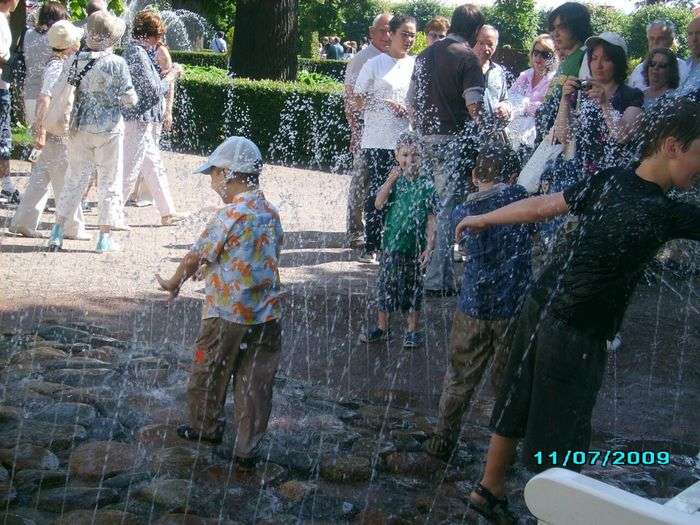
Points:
(15, 69)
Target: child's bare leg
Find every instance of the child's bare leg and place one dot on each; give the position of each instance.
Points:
(412, 320)
(498, 459)
(383, 320)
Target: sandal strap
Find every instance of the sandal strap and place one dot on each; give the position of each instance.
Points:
(493, 501)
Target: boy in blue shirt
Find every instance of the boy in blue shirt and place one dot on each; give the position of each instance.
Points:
(496, 275)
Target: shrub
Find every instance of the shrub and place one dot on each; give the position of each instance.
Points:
(516, 21)
(291, 122)
(420, 44)
(331, 68)
(200, 58)
(422, 10)
(606, 18)
(636, 30)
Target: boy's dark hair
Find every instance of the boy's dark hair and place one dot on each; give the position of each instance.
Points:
(490, 162)
(398, 20)
(466, 21)
(576, 17)
(672, 117)
(251, 179)
(616, 55)
(673, 74)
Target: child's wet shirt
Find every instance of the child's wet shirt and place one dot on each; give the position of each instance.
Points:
(241, 247)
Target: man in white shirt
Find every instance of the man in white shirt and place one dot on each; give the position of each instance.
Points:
(8, 193)
(692, 79)
(218, 43)
(660, 34)
(379, 41)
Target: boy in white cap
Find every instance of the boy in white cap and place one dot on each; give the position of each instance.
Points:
(238, 253)
(104, 88)
(52, 164)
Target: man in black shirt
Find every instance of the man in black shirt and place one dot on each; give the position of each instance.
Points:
(558, 351)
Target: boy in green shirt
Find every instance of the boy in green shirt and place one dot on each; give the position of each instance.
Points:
(408, 239)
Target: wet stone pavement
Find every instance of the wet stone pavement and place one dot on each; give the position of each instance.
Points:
(87, 435)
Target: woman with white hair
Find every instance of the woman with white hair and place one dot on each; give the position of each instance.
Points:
(52, 164)
(97, 130)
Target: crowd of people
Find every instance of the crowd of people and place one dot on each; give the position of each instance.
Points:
(112, 122)
(552, 187)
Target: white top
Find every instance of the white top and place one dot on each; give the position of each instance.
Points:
(52, 72)
(382, 78)
(5, 44)
(360, 59)
(636, 78)
(36, 54)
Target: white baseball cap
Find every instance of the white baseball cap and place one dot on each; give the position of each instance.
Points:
(609, 37)
(63, 35)
(238, 154)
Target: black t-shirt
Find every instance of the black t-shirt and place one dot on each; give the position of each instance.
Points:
(623, 221)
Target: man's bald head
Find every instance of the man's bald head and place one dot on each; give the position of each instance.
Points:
(379, 31)
(95, 5)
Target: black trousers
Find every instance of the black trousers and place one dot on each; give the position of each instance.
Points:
(379, 164)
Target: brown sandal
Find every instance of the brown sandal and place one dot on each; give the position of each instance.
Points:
(495, 510)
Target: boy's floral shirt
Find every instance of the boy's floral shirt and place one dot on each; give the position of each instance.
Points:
(241, 247)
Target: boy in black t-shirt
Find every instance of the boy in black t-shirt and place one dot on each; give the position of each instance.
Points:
(558, 355)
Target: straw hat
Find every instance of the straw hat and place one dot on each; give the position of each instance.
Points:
(64, 35)
(104, 30)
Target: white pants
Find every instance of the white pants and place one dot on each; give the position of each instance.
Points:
(50, 168)
(142, 157)
(105, 153)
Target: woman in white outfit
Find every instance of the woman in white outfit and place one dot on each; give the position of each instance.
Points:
(144, 121)
(37, 52)
(52, 164)
(97, 130)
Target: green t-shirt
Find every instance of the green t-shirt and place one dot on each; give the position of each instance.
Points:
(410, 203)
(568, 68)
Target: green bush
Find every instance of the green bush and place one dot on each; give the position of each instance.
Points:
(420, 44)
(516, 21)
(636, 30)
(606, 18)
(331, 68)
(422, 10)
(291, 122)
(200, 58)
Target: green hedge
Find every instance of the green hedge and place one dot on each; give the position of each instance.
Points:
(331, 68)
(291, 122)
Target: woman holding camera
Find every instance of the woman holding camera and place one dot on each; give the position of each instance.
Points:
(596, 116)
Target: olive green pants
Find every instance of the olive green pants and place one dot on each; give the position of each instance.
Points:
(472, 344)
(248, 353)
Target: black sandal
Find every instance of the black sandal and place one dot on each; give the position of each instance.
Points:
(495, 510)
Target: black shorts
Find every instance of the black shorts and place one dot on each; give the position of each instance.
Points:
(549, 389)
(399, 283)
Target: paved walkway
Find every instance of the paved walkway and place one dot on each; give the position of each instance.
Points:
(651, 390)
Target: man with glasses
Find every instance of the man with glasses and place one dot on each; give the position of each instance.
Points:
(496, 105)
(692, 65)
(379, 42)
(660, 34)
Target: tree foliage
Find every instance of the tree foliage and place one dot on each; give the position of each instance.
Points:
(606, 18)
(76, 8)
(517, 22)
(422, 10)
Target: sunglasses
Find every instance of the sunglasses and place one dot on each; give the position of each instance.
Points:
(437, 36)
(546, 55)
(659, 65)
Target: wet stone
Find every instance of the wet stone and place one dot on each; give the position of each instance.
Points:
(80, 378)
(26, 456)
(37, 355)
(346, 469)
(77, 363)
(405, 441)
(45, 388)
(4, 474)
(107, 429)
(369, 447)
(66, 499)
(172, 494)
(9, 415)
(42, 434)
(127, 480)
(296, 490)
(132, 419)
(64, 334)
(325, 508)
(160, 435)
(77, 413)
(102, 459)
(190, 519)
(414, 464)
(7, 493)
(222, 475)
(31, 480)
(99, 517)
(15, 519)
(179, 461)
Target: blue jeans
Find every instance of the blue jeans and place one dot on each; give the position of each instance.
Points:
(379, 164)
(5, 128)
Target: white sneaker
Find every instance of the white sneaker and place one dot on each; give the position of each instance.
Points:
(27, 232)
(367, 258)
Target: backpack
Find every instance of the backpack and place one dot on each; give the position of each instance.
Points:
(58, 116)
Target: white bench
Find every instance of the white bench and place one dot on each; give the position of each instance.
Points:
(561, 497)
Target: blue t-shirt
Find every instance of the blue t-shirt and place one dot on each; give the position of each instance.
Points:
(497, 269)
